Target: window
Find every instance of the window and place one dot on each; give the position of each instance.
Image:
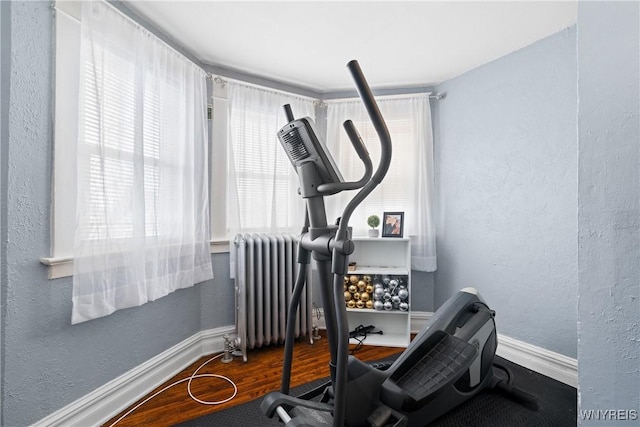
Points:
(131, 144)
(261, 185)
(408, 185)
(109, 125)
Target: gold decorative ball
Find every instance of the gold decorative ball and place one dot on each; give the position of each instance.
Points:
(347, 296)
(351, 304)
(361, 285)
(365, 296)
(369, 288)
(360, 304)
(353, 288)
(369, 304)
(356, 296)
(354, 279)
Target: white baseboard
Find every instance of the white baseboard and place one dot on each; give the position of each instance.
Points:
(112, 398)
(553, 365)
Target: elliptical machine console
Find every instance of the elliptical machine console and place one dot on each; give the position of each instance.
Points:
(448, 362)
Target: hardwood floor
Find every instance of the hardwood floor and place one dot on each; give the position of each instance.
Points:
(260, 375)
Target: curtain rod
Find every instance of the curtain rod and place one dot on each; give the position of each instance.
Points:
(221, 81)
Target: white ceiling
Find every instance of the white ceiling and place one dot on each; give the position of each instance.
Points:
(398, 43)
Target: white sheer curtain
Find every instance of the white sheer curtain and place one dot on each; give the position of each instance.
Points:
(408, 186)
(262, 185)
(142, 199)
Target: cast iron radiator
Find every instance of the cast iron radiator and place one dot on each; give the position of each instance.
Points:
(265, 272)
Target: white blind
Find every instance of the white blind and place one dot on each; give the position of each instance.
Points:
(119, 166)
(263, 185)
(394, 192)
(408, 185)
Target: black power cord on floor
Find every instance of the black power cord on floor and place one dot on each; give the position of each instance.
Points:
(360, 334)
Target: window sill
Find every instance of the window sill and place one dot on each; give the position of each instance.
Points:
(63, 266)
(58, 267)
(219, 246)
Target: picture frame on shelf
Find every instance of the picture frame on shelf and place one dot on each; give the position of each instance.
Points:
(393, 224)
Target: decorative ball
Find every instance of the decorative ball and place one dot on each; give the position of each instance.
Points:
(378, 305)
(377, 285)
(361, 285)
(364, 296)
(387, 296)
(356, 296)
(404, 306)
(346, 280)
(360, 304)
(347, 296)
(378, 293)
(388, 306)
(369, 304)
(353, 288)
(385, 281)
(395, 299)
(369, 288)
(403, 294)
(393, 283)
(351, 304)
(354, 279)
(366, 279)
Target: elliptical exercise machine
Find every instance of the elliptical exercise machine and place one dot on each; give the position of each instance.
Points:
(448, 362)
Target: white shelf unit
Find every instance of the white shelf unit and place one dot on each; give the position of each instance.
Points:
(382, 257)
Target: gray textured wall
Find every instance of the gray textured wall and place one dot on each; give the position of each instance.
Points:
(505, 158)
(5, 37)
(47, 362)
(609, 209)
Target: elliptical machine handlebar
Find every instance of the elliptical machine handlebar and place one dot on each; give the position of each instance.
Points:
(364, 91)
(363, 153)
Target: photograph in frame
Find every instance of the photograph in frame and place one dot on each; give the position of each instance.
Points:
(392, 224)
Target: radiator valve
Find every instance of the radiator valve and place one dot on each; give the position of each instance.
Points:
(316, 335)
(227, 357)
